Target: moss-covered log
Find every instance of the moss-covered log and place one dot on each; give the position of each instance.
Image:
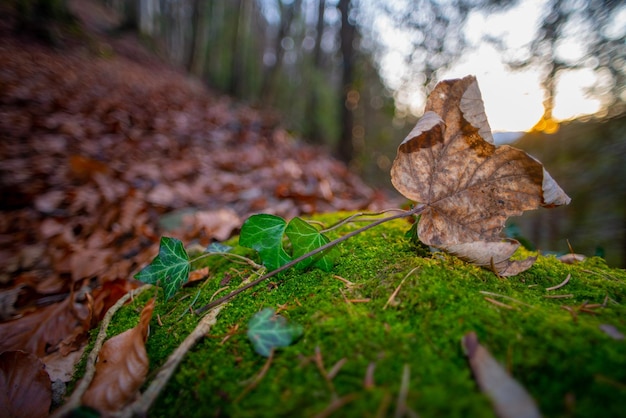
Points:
(358, 339)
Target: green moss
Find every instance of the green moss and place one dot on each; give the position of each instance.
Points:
(567, 363)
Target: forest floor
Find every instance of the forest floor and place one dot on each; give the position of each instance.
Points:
(99, 140)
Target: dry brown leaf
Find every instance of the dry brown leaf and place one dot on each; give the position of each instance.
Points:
(469, 187)
(121, 368)
(216, 224)
(25, 389)
(57, 326)
(509, 398)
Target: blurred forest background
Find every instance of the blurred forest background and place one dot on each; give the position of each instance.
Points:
(316, 65)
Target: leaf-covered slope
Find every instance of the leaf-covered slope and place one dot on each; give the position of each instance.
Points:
(102, 148)
(358, 341)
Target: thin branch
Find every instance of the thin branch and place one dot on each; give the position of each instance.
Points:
(395, 292)
(244, 260)
(358, 215)
(416, 210)
(257, 379)
(560, 285)
(495, 302)
(484, 292)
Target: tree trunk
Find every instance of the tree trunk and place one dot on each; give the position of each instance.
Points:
(314, 131)
(345, 147)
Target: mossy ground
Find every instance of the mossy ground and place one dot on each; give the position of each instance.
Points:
(567, 363)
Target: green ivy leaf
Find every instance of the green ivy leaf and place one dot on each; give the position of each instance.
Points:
(267, 330)
(304, 238)
(169, 269)
(264, 233)
(217, 247)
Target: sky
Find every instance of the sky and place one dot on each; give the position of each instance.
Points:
(513, 99)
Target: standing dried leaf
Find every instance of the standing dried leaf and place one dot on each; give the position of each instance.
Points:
(121, 368)
(468, 185)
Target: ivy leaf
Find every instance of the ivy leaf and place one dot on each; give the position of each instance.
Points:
(304, 238)
(217, 247)
(264, 233)
(267, 330)
(169, 269)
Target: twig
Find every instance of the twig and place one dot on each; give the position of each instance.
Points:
(495, 302)
(257, 379)
(319, 362)
(569, 295)
(244, 260)
(484, 292)
(90, 368)
(335, 369)
(358, 215)
(395, 292)
(401, 406)
(416, 210)
(368, 382)
(336, 404)
(347, 282)
(560, 285)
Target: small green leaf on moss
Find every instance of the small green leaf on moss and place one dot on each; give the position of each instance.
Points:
(216, 247)
(305, 238)
(169, 269)
(264, 233)
(267, 330)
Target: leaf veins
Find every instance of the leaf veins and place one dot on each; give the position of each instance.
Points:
(469, 187)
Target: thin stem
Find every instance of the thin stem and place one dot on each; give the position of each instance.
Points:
(358, 215)
(416, 210)
(245, 260)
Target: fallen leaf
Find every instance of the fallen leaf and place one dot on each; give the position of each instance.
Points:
(571, 258)
(267, 331)
(215, 224)
(469, 187)
(121, 368)
(25, 389)
(58, 326)
(611, 331)
(509, 398)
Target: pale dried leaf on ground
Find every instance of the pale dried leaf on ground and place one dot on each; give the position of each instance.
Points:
(509, 398)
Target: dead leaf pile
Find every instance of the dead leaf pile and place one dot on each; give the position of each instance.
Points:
(97, 148)
(469, 187)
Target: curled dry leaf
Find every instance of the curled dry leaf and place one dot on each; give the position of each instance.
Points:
(509, 398)
(469, 187)
(121, 368)
(25, 389)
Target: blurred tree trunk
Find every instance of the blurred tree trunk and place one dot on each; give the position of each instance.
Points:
(200, 26)
(270, 79)
(314, 131)
(41, 17)
(345, 147)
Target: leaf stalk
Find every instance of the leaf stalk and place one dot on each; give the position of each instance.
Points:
(414, 211)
